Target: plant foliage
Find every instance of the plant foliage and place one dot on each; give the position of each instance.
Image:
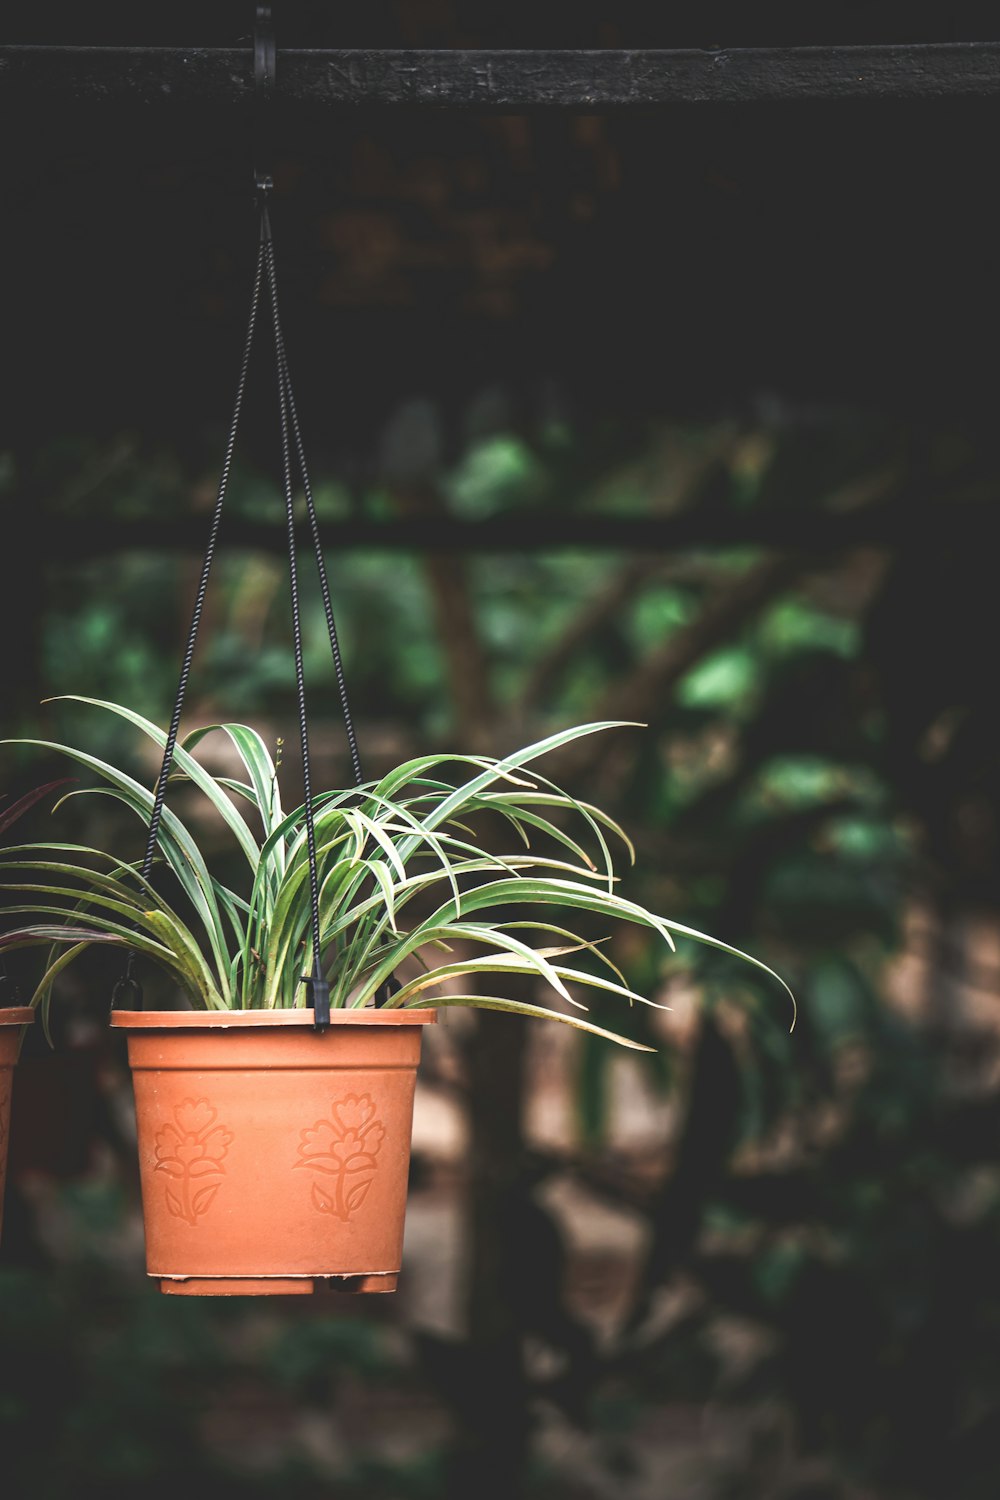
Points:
(403, 875)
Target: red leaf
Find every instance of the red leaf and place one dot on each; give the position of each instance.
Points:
(203, 1167)
(54, 932)
(175, 1205)
(28, 800)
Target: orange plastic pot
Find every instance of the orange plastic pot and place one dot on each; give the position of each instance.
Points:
(11, 1021)
(273, 1158)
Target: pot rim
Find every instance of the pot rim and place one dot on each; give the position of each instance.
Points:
(16, 1015)
(196, 1020)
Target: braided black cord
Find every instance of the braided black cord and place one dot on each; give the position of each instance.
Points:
(290, 433)
(320, 991)
(128, 980)
(288, 400)
(324, 585)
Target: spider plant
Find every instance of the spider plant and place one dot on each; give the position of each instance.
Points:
(402, 875)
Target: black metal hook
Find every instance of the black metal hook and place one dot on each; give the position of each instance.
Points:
(265, 64)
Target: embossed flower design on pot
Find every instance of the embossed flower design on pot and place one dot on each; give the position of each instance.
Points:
(190, 1149)
(344, 1148)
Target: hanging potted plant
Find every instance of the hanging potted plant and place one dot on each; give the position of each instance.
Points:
(274, 1111)
(274, 1154)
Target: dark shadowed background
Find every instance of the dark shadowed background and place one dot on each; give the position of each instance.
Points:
(685, 416)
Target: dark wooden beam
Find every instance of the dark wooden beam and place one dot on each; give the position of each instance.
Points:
(501, 80)
(70, 539)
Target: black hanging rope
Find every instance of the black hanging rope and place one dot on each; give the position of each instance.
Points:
(319, 989)
(291, 434)
(292, 448)
(128, 987)
(128, 984)
(324, 584)
(290, 423)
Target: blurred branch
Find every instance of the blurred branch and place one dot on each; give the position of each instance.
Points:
(697, 486)
(95, 474)
(493, 1439)
(720, 618)
(784, 830)
(710, 1133)
(914, 522)
(466, 661)
(643, 696)
(493, 1417)
(596, 613)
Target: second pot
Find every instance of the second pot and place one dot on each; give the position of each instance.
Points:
(12, 1018)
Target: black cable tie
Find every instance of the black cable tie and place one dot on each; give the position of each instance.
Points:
(126, 985)
(319, 999)
(391, 987)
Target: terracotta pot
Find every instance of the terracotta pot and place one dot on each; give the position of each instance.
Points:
(11, 1021)
(273, 1158)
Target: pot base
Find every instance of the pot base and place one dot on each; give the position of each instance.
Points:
(273, 1286)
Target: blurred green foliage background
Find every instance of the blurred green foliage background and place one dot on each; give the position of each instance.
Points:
(684, 417)
(801, 1298)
